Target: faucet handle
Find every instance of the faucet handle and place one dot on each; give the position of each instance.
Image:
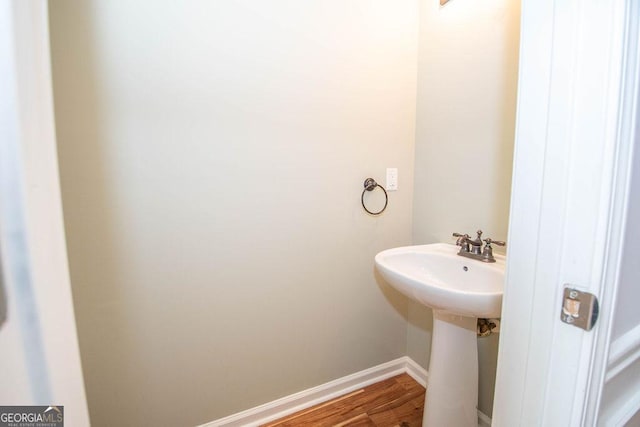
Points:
(490, 241)
(462, 240)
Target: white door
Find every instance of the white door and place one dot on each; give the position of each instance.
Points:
(575, 219)
(39, 357)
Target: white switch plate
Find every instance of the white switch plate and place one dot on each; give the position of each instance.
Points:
(392, 179)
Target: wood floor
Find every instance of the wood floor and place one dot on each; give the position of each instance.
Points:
(398, 401)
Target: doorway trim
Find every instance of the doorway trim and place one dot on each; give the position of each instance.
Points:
(572, 164)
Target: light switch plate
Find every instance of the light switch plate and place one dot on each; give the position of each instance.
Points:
(392, 179)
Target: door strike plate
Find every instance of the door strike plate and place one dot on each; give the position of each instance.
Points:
(579, 308)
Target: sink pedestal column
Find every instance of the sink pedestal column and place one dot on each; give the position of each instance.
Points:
(452, 387)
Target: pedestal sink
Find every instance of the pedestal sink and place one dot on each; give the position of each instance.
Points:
(459, 290)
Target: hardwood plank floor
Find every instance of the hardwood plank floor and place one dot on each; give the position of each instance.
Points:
(395, 402)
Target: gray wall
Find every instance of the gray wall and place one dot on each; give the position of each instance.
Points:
(467, 78)
(212, 157)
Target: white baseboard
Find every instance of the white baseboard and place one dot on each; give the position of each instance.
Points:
(296, 402)
(416, 371)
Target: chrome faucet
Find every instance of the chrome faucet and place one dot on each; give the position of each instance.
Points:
(473, 248)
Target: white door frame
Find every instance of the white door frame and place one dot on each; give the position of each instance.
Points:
(578, 87)
(33, 215)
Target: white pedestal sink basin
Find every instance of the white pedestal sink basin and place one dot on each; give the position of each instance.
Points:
(459, 290)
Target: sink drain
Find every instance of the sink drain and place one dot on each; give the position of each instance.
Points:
(465, 268)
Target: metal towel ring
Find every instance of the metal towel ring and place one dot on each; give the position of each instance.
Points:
(369, 185)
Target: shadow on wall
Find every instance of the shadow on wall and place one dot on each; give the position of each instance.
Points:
(420, 328)
(397, 300)
(419, 320)
(82, 150)
(507, 111)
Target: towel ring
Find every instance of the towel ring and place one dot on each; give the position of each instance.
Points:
(370, 184)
